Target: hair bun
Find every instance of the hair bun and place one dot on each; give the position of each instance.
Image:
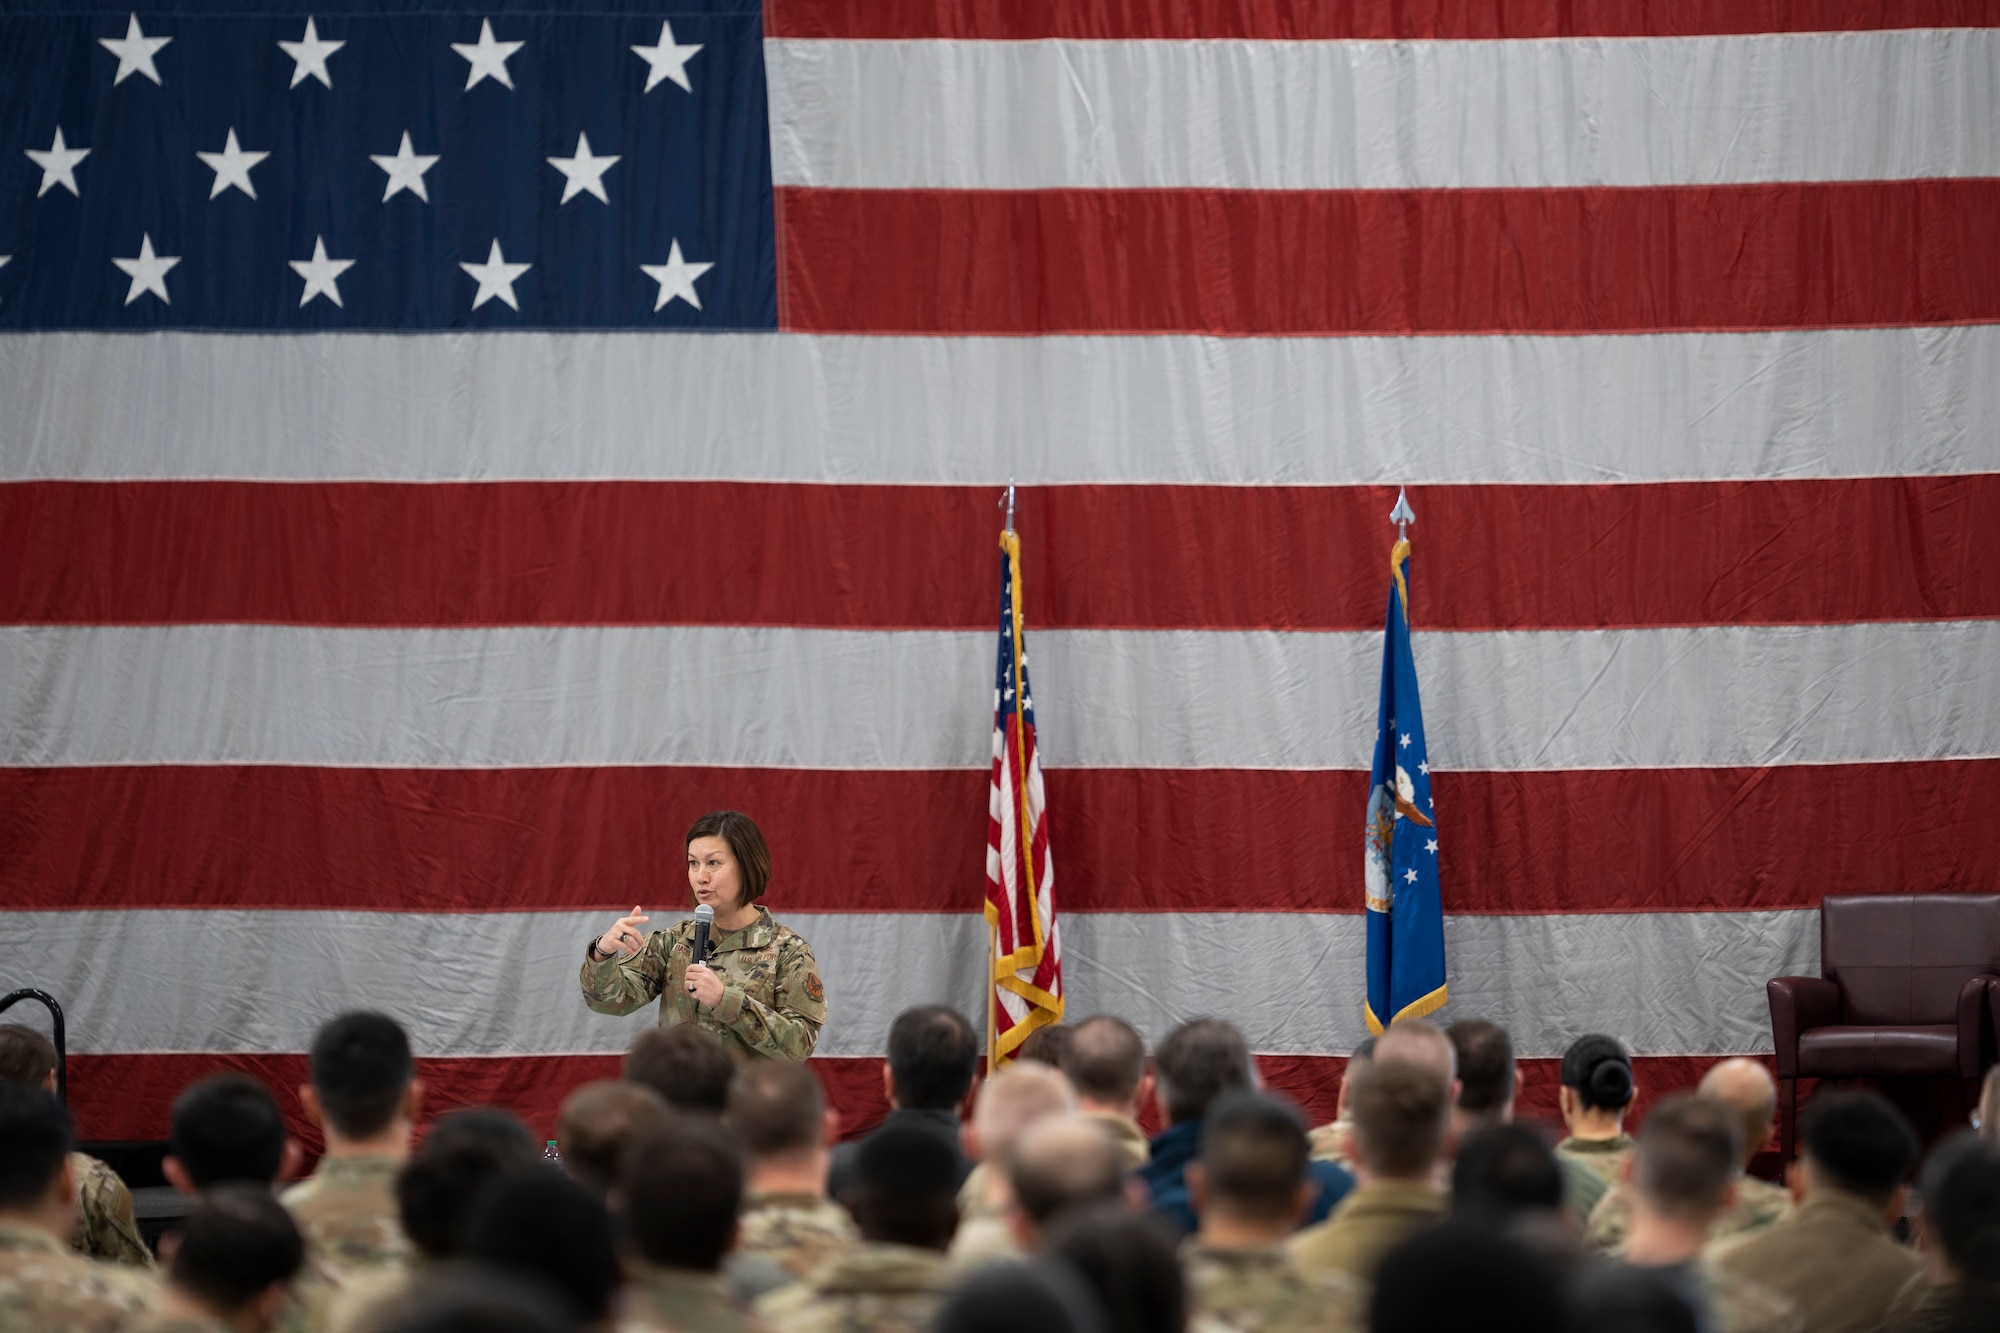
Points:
(1611, 1082)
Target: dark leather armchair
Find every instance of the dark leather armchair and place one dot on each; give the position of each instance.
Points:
(1909, 988)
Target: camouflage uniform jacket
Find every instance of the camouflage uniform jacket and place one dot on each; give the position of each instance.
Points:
(177, 1323)
(1263, 1291)
(800, 1231)
(1833, 1258)
(346, 1210)
(773, 1003)
(671, 1300)
(104, 1226)
(1590, 1169)
(1742, 1305)
(873, 1288)
(983, 1236)
(1370, 1222)
(1758, 1204)
(47, 1288)
(1125, 1132)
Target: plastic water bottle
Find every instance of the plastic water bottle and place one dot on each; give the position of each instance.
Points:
(552, 1155)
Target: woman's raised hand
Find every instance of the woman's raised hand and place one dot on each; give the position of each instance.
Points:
(624, 938)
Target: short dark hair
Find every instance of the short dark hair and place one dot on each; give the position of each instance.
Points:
(1008, 1296)
(26, 1056)
(1688, 1155)
(1629, 1300)
(227, 1127)
(1859, 1144)
(1253, 1154)
(1061, 1162)
(34, 1143)
(1106, 1059)
(776, 1108)
(599, 1121)
(238, 1240)
(933, 1054)
(680, 1190)
(1128, 1260)
(1485, 1065)
(1962, 1206)
(1600, 1071)
(905, 1187)
(1398, 1109)
(1047, 1044)
(543, 1226)
(1503, 1171)
(463, 1153)
(685, 1064)
(1198, 1062)
(361, 1069)
(746, 844)
(1455, 1276)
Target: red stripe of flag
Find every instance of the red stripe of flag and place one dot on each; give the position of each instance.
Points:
(1392, 261)
(607, 553)
(1134, 840)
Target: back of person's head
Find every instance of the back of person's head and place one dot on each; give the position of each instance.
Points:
(776, 1110)
(238, 1248)
(1010, 1101)
(1618, 1298)
(1599, 1071)
(1503, 1172)
(905, 1188)
(679, 1194)
(1360, 1056)
(1456, 1276)
(1060, 1162)
(543, 1227)
(1418, 1041)
(1746, 1087)
(1485, 1067)
(227, 1127)
(1859, 1144)
(1106, 1060)
(687, 1065)
(1047, 1045)
(26, 1056)
(34, 1144)
(1962, 1207)
(1253, 1157)
(1007, 1297)
(1398, 1111)
(463, 1153)
(598, 1121)
(1688, 1157)
(476, 1299)
(1128, 1261)
(933, 1054)
(361, 1070)
(1198, 1062)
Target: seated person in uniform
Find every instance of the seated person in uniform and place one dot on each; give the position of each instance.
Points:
(1105, 1061)
(238, 1253)
(687, 1065)
(227, 1129)
(779, 1115)
(1399, 1110)
(678, 1200)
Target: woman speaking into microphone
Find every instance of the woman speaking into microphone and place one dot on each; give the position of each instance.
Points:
(758, 989)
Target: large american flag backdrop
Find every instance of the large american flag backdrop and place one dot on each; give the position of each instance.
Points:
(447, 449)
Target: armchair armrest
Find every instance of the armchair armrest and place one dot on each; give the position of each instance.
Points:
(1797, 1005)
(1973, 1020)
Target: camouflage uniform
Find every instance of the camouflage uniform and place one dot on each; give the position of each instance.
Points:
(799, 1231)
(772, 1001)
(983, 1236)
(1758, 1204)
(47, 1288)
(1744, 1306)
(873, 1288)
(177, 1323)
(1125, 1132)
(1590, 1168)
(1329, 1143)
(1833, 1257)
(1263, 1291)
(346, 1210)
(669, 1300)
(104, 1227)
(1358, 1235)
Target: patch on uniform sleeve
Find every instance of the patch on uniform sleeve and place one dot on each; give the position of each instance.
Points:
(814, 990)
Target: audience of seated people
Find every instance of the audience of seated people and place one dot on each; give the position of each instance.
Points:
(694, 1196)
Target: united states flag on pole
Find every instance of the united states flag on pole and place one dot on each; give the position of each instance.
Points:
(1027, 988)
(444, 450)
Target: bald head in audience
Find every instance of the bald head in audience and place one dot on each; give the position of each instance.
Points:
(1746, 1087)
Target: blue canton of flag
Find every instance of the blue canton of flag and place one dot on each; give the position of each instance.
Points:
(407, 169)
(1406, 973)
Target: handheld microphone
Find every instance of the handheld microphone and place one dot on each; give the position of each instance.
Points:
(704, 916)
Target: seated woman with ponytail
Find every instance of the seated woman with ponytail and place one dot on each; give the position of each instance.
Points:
(1597, 1089)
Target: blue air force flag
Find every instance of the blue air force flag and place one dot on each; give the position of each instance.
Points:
(1405, 913)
